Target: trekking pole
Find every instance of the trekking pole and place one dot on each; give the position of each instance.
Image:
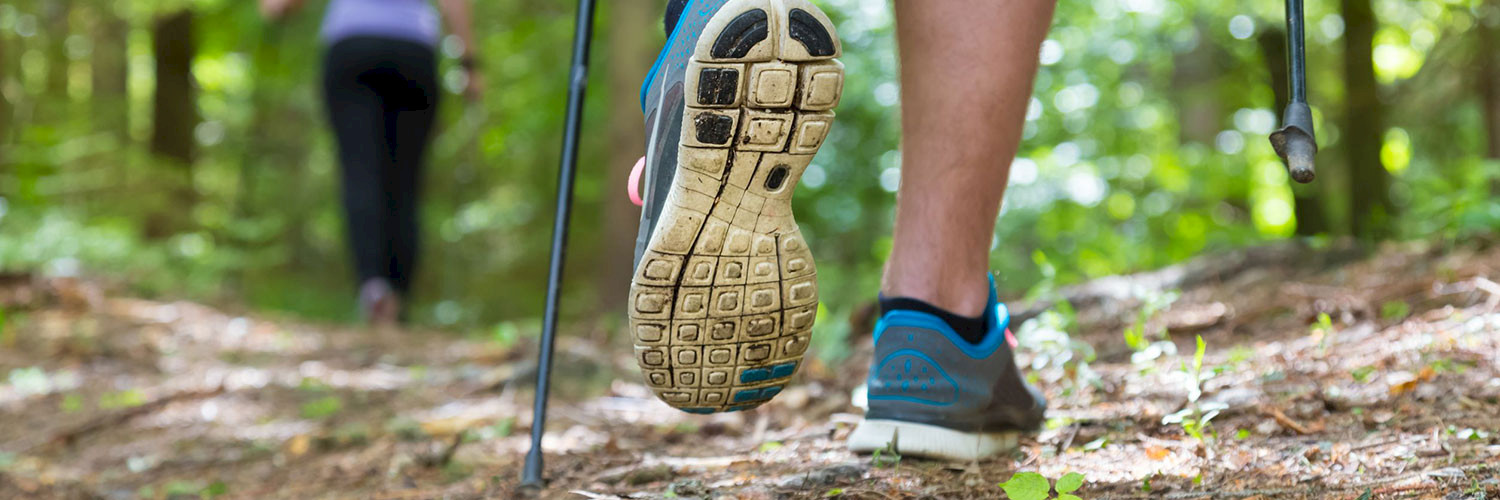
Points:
(531, 476)
(1295, 142)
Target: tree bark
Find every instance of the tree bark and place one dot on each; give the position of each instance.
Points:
(56, 12)
(174, 115)
(110, 72)
(7, 72)
(1488, 65)
(1307, 209)
(630, 51)
(1363, 128)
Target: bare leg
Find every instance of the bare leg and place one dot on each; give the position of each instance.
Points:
(966, 72)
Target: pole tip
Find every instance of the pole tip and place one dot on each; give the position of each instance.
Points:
(1299, 158)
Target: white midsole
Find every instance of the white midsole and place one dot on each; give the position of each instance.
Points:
(929, 441)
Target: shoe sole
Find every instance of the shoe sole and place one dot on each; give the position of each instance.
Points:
(723, 299)
(929, 441)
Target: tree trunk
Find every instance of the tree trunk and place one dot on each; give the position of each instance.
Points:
(1195, 93)
(7, 72)
(1363, 128)
(56, 12)
(174, 115)
(630, 51)
(1488, 65)
(53, 15)
(110, 71)
(1308, 210)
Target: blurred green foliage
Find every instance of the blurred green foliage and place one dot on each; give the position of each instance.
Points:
(1144, 145)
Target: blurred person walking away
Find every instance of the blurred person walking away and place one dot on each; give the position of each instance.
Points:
(380, 86)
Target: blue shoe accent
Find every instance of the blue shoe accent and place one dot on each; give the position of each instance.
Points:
(747, 395)
(662, 56)
(783, 370)
(998, 317)
(770, 392)
(754, 375)
(700, 411)
(924, 372)
(898, 365)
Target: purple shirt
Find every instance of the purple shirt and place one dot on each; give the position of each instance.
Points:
(412, 20)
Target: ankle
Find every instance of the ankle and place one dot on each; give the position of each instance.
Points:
(963, 296)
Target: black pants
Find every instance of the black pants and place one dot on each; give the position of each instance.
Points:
(382, 97)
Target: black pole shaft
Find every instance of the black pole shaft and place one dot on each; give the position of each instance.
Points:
(577, 81)
(1296, 59)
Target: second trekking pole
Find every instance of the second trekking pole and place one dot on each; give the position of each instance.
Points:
(1295, 142)
(577, 82)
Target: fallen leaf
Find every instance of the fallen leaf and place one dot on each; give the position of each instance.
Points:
(448, 427)
(298, 445)
(1401, 382)
(1157, 452)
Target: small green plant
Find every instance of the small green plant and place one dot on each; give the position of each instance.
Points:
(833, 493)
(1055, 355)
(1323, 330)
(1240, 354)
(1468, 434)
(1195, 417)
(215, 489)
(505, 334)
(179, 488)
(499, 429)
(1394, 310)
(313, 385)
(1445, 365)
(1152, 302)
(323, 407)
(71, 403)
(1034, 486)
(8, 335)
(886, 457)
(1362, 374)
(128, 398)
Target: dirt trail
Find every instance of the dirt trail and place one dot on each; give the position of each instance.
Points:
(1395, 393)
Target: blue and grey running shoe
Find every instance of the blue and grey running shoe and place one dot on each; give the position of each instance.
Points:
(724, 293)
(933, 394)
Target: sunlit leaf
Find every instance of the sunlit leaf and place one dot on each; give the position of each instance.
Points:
(1069, 483)
(1027, 486)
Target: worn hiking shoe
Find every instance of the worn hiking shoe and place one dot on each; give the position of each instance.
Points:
(724, 292)
(933, 394)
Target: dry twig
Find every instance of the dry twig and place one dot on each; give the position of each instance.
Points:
(1286, 421)
(72, 435)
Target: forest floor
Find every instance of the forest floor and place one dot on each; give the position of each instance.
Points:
(1395, 393)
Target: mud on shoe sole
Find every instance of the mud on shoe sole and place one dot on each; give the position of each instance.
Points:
(723, 300)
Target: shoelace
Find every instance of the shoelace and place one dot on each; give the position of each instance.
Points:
(633, 184)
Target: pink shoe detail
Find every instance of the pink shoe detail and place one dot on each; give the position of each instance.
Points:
(1011, 339)
(633, 185)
